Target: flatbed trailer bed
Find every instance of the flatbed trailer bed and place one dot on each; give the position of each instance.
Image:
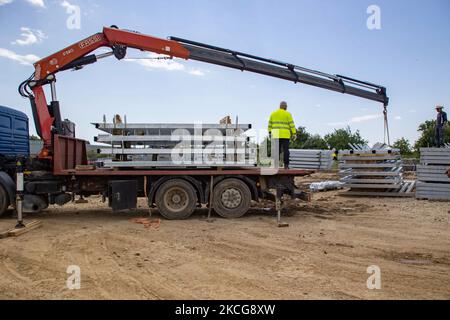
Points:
(177, 192)
(259, 171)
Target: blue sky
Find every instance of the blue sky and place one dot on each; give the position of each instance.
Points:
(410, 55)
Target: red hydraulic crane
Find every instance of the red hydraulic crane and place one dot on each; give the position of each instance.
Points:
(47, 117)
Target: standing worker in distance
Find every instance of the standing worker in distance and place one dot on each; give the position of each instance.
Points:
(282, 128)
(440, 122)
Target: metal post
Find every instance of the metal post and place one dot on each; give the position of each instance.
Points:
(19, 194)
(146, 196)
(278, 208)
(211, 198)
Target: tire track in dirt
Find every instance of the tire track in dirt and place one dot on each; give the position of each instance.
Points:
(123, 274)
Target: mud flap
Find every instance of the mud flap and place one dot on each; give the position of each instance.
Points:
(122, 194)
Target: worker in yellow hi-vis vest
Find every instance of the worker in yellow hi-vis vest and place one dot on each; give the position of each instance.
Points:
(282, 128)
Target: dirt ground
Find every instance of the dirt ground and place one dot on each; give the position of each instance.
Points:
(323, 254)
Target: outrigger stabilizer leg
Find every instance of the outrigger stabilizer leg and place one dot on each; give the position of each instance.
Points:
(278, 205)
(19, 194)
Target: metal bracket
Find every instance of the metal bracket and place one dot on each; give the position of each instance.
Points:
(341, 82)
(234, 54)
(291, 68)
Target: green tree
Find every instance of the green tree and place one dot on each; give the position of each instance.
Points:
(305, 140)
(427, 134)
(302, 137)
(403, 145)
(315, 142)
(341, 138)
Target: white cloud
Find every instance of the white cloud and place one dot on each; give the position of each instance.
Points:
(196, 72)
(29, 37)
(37, 3)
(2, 2)
(69, 7)
(155, 61)
(358, 119)
(365, 118)
(27, 59)
(398, 118)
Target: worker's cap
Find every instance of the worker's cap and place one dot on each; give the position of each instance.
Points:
(438, 107)
(283, 104)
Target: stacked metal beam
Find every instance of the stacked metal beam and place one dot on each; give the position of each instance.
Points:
(311, 159)
(433, 182)
(176, 145)
(375, 171)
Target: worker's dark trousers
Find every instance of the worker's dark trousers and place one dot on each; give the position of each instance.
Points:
(284, 149)
(439, 136)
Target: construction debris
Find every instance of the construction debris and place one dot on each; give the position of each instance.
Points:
(325, 186)
(375, 171)
(311, 159)
(176, 145)
(433, 181)
(147, 223)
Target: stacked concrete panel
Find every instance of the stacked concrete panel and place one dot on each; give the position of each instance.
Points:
(311, 159)
(374, 172)
(176, 145)
(433, 182)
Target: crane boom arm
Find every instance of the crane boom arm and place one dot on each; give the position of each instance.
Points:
(245, 62)
(47, 117)
(75, 55)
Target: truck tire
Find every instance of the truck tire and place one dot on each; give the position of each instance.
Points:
(4, 200)
(232, 198)
(176, 199)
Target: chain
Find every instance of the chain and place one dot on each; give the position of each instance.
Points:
(386, 127)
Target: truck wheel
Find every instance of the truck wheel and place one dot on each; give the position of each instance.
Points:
(176, 199)
(4, 200)
(232, 198)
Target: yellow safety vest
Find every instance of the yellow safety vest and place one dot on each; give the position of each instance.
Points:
(281, 124)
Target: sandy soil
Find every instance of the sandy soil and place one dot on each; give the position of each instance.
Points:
(324, 254)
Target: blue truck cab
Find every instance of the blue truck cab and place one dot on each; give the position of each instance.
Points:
(14, 133)
(14, 143)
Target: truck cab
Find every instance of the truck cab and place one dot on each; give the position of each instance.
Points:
(14, 144)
